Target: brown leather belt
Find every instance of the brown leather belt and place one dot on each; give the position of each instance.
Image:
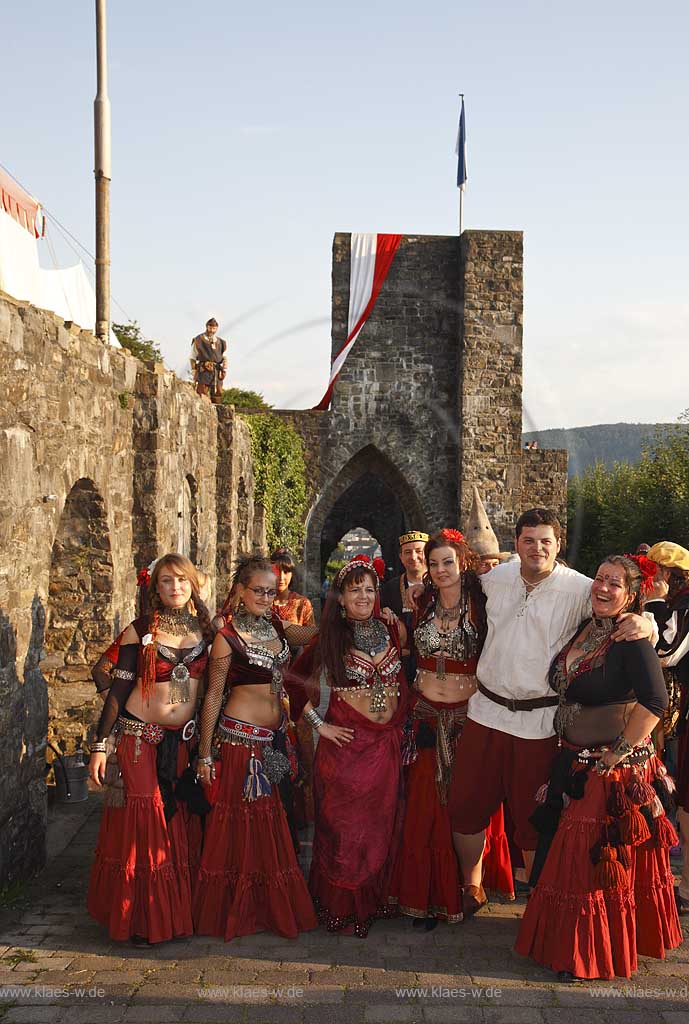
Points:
(518, 705)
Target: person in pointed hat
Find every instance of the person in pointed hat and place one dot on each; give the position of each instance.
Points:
(481, 537)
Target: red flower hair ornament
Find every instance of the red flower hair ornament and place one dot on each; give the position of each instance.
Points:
(144, 578)
(455, 536)
(648, 571)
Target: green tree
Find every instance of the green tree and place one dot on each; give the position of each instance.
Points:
(244, 400)
(130, 337)
(614, 510)
(277, 452)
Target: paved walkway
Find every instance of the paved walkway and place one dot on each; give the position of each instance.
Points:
(56, 965)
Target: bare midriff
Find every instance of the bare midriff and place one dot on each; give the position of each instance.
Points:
(453, 688)
(158, 709)
(255, 703)
(360, 700)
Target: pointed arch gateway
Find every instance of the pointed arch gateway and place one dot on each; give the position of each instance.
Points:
(370, 491)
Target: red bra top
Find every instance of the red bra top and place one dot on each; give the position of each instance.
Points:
(195, 658)
(362, 673)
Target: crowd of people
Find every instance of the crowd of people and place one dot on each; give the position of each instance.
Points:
(478, 719)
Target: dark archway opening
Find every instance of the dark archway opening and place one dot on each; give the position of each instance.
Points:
(79, 614)
(370, 503)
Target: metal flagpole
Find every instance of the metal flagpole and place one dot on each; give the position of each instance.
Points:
(461, 210)
(103, 174)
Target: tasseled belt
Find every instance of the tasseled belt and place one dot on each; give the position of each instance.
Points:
(449, 722)
(266, 766)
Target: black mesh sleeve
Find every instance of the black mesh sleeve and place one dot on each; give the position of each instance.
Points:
(123, 682)
(212, 702)
(299, 636)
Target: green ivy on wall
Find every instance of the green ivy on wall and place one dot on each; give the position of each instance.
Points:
(280, 479)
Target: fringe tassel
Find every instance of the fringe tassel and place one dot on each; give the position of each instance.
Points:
(115, 795)
(639, 792)
(618, 801)
(664, 795)
(624, 856)
(633, 828)
(665, 835)
(409, 751)
(256, 784)
(608, 872)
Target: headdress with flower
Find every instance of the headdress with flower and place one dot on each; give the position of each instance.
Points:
(454, 536)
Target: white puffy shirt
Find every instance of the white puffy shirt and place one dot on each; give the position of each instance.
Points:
(524, 635)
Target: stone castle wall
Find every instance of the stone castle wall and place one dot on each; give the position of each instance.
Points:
(104, 464)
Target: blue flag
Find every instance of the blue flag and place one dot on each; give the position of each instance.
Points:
(461, 150)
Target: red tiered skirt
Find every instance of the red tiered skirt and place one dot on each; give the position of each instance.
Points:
(140, 880)
(249, 879)
(359, 801)
(426, 879)
(570, 925)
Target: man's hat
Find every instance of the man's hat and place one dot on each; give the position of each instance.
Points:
(479, 533)
(669, 555)
(417, 535)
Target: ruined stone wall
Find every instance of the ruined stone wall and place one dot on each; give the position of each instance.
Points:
(104, 464)
(544, 482)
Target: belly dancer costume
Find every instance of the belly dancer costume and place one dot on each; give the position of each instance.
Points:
(141, 877)
(249, 879)
(426, 880)
(605, 890)
(358, 788)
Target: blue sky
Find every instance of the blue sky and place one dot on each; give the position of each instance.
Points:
(244, 138)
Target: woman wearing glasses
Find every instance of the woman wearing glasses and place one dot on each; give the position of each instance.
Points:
(249, 879)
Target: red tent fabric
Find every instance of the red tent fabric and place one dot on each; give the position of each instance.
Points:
(20, 205)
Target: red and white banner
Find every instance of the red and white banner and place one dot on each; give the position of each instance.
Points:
(371, 257)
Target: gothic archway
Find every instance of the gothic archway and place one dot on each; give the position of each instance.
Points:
(79, 613)
(368, 491)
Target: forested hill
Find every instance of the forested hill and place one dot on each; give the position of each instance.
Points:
(607, 442)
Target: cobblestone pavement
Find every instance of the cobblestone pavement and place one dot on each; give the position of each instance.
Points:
(56, 965)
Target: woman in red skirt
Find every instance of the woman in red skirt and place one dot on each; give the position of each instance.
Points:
(249, 879)
(605, 890)
(448, 635)
(358, 786)
(140, 886)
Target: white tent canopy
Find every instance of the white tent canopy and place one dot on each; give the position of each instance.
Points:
(67, 292)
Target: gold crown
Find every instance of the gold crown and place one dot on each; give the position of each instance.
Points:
(407, 538)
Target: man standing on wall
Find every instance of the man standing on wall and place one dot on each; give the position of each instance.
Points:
(209, 362)
(393, 593)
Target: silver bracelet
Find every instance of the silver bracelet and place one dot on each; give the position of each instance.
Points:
(204, 760)
(621, 746)
(99, 747)
(313, 718)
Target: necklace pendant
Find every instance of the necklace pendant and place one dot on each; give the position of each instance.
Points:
(180, 688)
(378, 700)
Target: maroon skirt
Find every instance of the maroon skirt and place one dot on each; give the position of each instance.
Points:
(359, 804)
(426, 880)
(570, 924)
(140, 880)
(249, 880)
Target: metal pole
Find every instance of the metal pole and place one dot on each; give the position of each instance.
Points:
(461, 210)
(103, 174)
